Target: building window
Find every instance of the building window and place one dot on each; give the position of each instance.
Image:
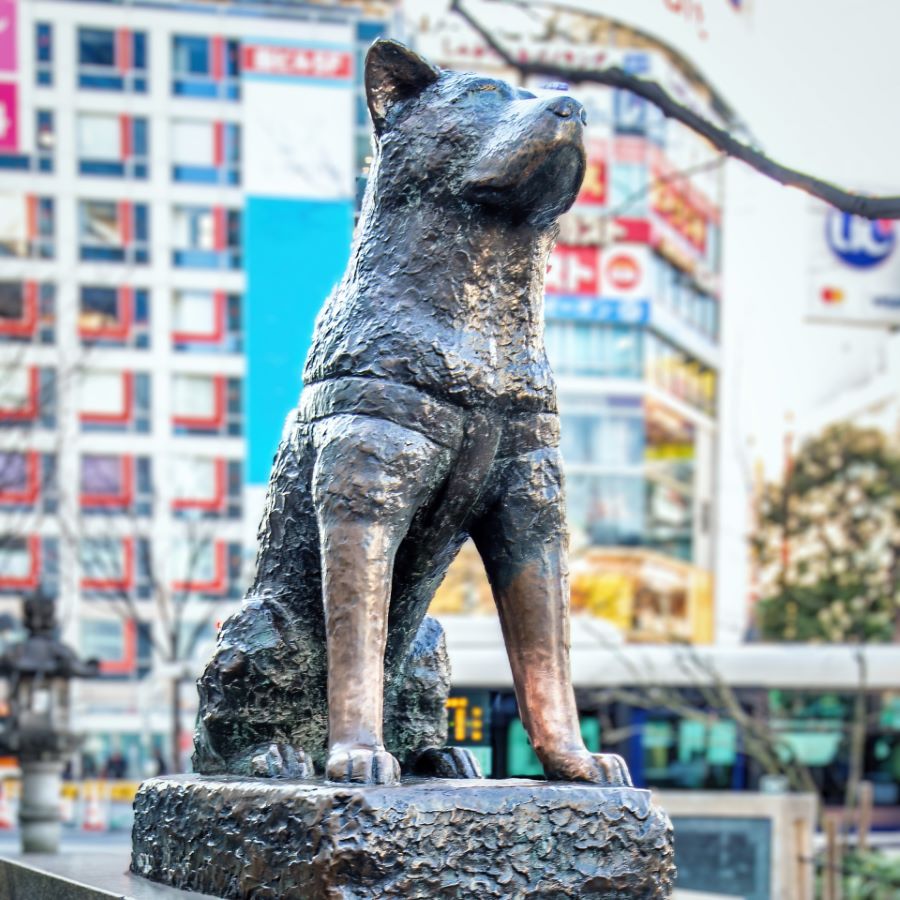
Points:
(113, 232)
(104, 640)
(27, 226)
(28, 481)
(206, 322)
(112, 60)
(207, 237)
(114, 317)
(43, 54)
(206, 404)
(27, 396)
(123, 646)
(27, 312)
(112, 145)
(114, 401)
(107, 563)
(205, 152)
(675, 372)
(19, 478)
(20, 562)
(116, 484)
(44, 141)
(591, 348)
(606, 509)
(205, 487)
(206, 567)
(679, 293)
(613, 438)
(207, 67)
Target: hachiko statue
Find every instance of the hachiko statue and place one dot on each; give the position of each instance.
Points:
(428, 416)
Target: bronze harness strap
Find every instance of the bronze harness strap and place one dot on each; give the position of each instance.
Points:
(476, 436)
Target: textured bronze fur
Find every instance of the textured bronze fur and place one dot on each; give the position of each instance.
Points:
(429, 416)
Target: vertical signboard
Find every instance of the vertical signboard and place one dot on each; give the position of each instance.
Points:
(9, 92)
(298, 95)
(9, 122)
(854, 270)
(8, 36)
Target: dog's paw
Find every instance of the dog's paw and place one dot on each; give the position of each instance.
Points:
(606, 769)
(360, 765)
(447, 762)
(281, 761)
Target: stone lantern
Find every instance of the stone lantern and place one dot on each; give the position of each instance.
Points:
(39, 671)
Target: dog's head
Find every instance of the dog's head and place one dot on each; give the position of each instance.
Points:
(458, 136)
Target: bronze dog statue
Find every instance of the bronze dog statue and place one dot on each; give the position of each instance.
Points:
(428, 416)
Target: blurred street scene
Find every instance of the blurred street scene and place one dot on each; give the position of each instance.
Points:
(179, 181)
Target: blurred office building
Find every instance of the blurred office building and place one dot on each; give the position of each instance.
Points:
(177, 193)
(632, 329)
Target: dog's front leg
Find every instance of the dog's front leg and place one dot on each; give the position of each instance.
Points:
(370, 477)
(522, 543)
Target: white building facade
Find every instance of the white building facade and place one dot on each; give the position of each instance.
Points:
(177, 190)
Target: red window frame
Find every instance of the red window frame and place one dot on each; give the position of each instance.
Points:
(115, 584)
(125, 665)
(31, 410)
(218, 584)
(120, 500)
(27, 325)
(217, 57)
(122, 329)
(33, 482)
(119, 418)
(123, 50)
(32, 579)
(213, 422)
(209, 504)
(220, 228)
(220, 301)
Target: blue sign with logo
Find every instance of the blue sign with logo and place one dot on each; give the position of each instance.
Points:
(860, 243)
(597, 309)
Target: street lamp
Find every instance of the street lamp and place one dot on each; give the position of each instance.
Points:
(39, 671)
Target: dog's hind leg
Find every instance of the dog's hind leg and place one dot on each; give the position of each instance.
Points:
(522, 542)
(370, 478)
(263, 694)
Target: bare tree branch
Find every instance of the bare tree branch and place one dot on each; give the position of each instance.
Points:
(866, 207)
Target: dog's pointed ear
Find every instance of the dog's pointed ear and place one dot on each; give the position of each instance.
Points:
(394, 73)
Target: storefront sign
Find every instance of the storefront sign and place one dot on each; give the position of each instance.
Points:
(595, 309)
(9, 117)
(595, 188)
(290, 61)
(8, 26)
(854, 270)
(573, 270)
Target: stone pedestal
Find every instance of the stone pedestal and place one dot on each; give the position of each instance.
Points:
(425, 838)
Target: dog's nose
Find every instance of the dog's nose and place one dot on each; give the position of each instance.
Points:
(567, 108)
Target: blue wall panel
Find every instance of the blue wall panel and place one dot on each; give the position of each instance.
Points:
(295, 252)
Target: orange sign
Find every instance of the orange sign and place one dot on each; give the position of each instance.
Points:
(595, 189)
(671, 204)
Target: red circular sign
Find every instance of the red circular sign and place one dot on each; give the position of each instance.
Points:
(623, 272)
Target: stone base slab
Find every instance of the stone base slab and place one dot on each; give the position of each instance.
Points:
(424, 838)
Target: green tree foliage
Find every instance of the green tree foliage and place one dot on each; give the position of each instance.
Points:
(828, 542)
